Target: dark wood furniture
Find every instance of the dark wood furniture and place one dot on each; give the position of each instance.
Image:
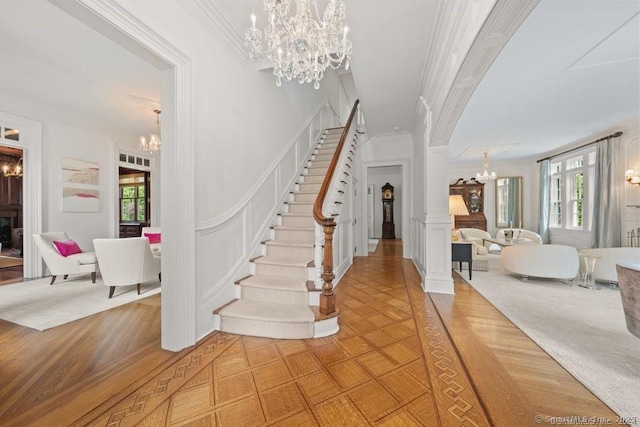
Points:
(388, 226)
(473, 194)
(462, 252)
(132, 229)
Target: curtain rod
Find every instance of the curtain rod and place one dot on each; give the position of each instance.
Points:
(613, 135)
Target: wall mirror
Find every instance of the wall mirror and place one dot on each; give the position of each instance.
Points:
(509, 202)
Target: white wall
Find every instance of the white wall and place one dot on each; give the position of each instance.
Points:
(379, 176)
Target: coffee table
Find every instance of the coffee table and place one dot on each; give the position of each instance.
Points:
(508, 242)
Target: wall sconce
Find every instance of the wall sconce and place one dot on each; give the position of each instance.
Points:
(632, 177)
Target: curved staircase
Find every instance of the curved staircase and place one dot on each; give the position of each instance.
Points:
(279, 300)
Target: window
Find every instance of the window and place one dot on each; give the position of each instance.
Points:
(572, 191)
(133, 200)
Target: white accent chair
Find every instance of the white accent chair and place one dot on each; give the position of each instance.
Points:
(521, 233)
(126, 262)
(551, 261)
(479, 249)
(84, 262)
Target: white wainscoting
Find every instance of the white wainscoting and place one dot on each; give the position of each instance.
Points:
(419, 233)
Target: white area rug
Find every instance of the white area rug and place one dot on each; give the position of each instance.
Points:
(582, 329)
(41, 306)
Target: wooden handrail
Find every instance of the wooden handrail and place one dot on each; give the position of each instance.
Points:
(327, 298)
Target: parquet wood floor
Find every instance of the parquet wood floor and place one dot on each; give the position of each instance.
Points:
(402, 357)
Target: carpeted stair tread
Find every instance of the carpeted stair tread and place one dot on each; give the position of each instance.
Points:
(287, 262)
(275, 283)
(293, 244)
(269, 312)
(286, 227)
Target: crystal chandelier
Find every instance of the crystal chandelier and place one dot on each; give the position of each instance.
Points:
(153, 145)
(301, 46)
(16, 171)
(485, 175)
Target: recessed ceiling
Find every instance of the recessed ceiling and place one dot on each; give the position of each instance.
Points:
(572, 70)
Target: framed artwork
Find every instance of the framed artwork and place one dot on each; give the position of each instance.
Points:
(80, 171)
(80, 191)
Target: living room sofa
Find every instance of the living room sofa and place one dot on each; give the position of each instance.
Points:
(551, 261)
(521, 234)
(607, 258)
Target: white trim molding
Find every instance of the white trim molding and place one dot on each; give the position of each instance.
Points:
(177, 205)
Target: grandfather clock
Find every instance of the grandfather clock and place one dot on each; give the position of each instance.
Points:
(388, 228)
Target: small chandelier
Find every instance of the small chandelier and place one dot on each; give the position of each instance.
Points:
(302, 46)
(485, 175)
(153, 145)
(15, 171)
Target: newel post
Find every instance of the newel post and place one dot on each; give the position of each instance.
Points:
(327, 298)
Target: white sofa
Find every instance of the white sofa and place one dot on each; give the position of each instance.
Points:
(57, 264)
(521, 233)
(607, 258)
(552, 261)
(126, 262)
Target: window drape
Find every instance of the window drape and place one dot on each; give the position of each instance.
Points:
(545, 201)
(606, 229)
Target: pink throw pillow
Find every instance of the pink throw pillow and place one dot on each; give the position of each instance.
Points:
(67, 248)
(153, 237)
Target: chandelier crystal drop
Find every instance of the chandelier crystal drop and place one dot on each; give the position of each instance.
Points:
(485, 175)
(303, 45)
(153, 144)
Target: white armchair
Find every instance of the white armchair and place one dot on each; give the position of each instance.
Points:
(479, 249)
(57, 264)
(126, 262)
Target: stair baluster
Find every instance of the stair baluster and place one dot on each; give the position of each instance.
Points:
(325, 209)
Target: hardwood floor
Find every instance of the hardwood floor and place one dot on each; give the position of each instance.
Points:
(402, 357)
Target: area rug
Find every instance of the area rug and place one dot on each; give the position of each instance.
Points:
(38, 305)
(8, 261)
(582, 329)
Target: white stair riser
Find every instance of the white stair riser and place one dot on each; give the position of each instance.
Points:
(305, 197)
(281, 270)
(320, 163)
(261, 328)
(310, 187)
(322, 157)
(276, 296)
(306, 208)
(295, 236)
(314, 179)
(317, 171)
(295, 253)
(325, 151)
(298, 221)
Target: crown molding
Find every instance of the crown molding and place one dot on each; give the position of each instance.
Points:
(213, 19)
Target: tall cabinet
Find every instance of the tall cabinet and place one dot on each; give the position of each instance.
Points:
(473, 194)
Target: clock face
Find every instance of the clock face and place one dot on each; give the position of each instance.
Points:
(387, 194)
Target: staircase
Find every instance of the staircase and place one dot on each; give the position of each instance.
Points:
(279, 300)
